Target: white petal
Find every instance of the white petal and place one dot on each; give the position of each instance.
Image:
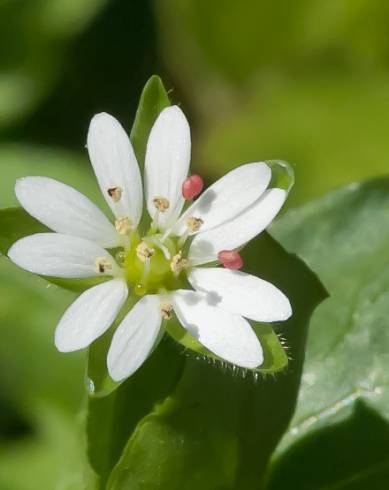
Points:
(115, 165)
(65, 210)
(228, 196)
(57, 255)
(226, 334)
(135, 337)
(90, 315)
(242, 293)
(167, 162)
(238, 231)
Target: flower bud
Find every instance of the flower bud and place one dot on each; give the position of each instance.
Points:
(230, 259)
(192, 186)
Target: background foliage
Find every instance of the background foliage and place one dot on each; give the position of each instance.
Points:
(304, 81)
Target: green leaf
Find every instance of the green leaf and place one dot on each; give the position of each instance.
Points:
(15, 223)
(30, 309)
(48, 458)
(44, 386)
(216, 424)
(112, 419)
(153, 99)
(340, 430)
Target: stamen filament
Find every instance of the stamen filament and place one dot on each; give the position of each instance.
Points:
(184, 237)
(155, 223)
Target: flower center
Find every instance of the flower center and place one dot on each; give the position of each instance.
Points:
(152, 266)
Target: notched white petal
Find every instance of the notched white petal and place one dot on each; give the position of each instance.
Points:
(57, 255)
(226, 334)
(135, 338)
(65, 210)
(227, 197)
(238, 231)
(242, 293)
(115, 165)
(90, 315)
(167, 162)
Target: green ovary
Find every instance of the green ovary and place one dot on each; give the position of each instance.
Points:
(155, 274)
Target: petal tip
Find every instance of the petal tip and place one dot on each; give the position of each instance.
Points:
(62, 346)
(288, 312)
(115, 375)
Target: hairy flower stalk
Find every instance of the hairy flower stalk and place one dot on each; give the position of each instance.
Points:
(171, 264)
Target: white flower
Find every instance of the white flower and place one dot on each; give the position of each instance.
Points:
(157, 262)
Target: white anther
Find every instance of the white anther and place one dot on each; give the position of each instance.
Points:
(166, 310)
(123, 226)
(102, 265)
(161, 204)
(115, 193)
(194, 224)
(144, 252)
(178, 263)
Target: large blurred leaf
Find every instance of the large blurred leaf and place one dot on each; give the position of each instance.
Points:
(51, 457)
(15, 223)
(33, 47)
(183, 416)
(333, 132)
(17, 160)
(234, 41)
(304, 81)
(43, 387)
(340, 430)
(30, 364)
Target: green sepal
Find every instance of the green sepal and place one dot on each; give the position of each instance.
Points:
(153, 100)
(282, 174)
(275, 356)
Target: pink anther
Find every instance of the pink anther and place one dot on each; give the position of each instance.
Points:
(192, 186)
(230, 259)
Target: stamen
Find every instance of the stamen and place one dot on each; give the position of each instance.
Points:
(166, 310)
(161, 203)
(192, 186)
(144, 252)
(123, 226)
(115, 193)
(230, 259)
(166, 235)
(178, 263)
(102, 265)
(194, 224)
(182, 240)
